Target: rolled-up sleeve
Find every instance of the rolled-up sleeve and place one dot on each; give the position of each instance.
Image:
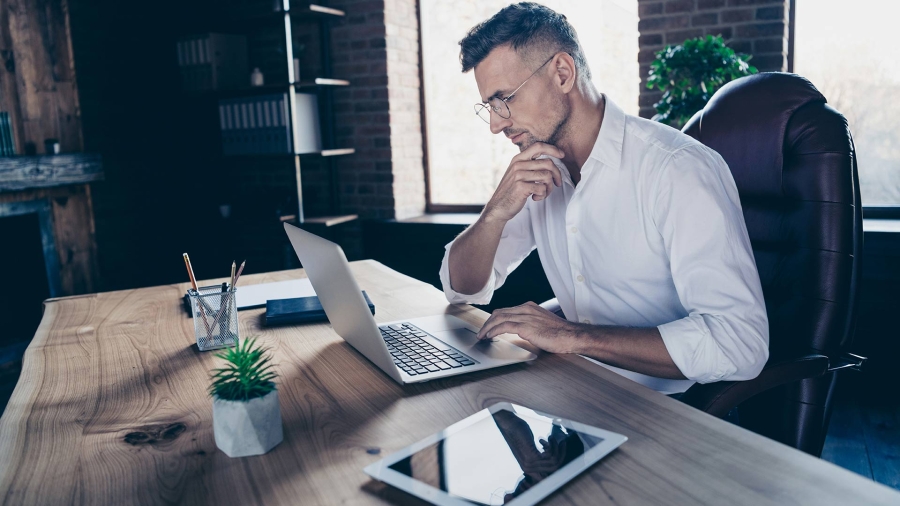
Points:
(516, 242)
(698, 213)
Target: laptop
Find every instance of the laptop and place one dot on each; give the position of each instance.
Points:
(409, 351)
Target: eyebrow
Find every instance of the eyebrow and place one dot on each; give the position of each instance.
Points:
(496, 94)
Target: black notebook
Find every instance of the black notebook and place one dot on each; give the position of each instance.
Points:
(300, 310)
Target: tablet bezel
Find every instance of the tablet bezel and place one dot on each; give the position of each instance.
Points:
(381, 470)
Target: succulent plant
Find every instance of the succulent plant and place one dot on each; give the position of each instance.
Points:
(247, 375)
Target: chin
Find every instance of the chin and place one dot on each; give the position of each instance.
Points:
(523, 145)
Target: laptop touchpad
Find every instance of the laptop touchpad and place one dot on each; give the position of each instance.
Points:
(467, 341)
(457, 337)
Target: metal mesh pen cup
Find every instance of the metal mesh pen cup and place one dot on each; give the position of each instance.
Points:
(215, 317)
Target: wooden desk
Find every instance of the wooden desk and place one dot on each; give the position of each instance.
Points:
(112, 408)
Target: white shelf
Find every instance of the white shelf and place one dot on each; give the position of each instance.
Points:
(330, 221)
(337, 152)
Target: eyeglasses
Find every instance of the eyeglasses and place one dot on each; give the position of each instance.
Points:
(499, 105)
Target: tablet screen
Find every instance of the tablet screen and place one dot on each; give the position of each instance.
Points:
(497, 458)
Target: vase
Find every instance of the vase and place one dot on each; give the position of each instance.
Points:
(244, 428)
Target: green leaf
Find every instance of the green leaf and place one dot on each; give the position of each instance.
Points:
(247, 374)
(682, 71)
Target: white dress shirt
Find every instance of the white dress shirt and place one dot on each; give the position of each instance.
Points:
(653, 235)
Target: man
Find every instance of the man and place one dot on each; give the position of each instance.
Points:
(638, 227)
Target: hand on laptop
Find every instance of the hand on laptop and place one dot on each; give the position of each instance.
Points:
(534, 324)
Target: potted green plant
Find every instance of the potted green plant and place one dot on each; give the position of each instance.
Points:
(246, 413)
(690, 73)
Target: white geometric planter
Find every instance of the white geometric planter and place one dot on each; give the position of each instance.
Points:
(244, 428)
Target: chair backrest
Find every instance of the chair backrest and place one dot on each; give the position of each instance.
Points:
(794, 163)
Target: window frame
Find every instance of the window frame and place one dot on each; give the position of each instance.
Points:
(430, 206)
(877, 212)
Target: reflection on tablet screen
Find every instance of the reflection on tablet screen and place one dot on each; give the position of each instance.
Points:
(496, 459)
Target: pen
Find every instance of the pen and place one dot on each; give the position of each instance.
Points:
(227, 305)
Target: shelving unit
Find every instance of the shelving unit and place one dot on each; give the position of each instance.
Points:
(322, 86)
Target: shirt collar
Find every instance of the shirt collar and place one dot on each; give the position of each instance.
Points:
(608, 146)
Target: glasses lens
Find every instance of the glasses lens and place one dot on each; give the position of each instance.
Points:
(483, 112)
(499, 107)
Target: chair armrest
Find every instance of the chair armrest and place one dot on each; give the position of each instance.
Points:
(719, 398)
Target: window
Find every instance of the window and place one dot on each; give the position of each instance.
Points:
(465, 161)
(845, 49)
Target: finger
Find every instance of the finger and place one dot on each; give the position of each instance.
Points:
(550, 166)
(537, 149)
(527, 188)
(539, 192)
(507, 327)
(542, 164)
(503, 314)
(533, 308)
(537, 176)
(540, 189)
(490, 322)
(493, 321)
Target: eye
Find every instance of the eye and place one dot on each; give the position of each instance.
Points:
(509, 99)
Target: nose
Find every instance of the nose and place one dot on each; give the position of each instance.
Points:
(499, 123)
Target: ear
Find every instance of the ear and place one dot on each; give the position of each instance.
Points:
(565, 72)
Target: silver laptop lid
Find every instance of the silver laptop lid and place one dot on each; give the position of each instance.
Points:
(328, 271)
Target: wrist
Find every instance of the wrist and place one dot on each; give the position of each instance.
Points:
(580, 337)
(490, 219)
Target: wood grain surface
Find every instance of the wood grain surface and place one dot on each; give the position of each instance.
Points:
(35, 43)
(42, 171)
(73, 231)
(112, 408)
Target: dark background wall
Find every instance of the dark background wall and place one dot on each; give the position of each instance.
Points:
(133, 115)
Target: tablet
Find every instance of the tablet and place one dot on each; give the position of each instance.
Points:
(505, 454)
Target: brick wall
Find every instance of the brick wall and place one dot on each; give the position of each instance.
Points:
(376, 48)
(756, 27)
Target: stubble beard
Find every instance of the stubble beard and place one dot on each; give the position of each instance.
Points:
(559, 131)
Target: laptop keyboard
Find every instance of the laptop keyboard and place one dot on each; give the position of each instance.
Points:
(416, 352)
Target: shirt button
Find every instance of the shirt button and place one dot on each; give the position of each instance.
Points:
(574, 230)
(580, 278)
(585, 321)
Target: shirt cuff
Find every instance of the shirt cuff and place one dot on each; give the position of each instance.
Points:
(694, 350)
(483, 296)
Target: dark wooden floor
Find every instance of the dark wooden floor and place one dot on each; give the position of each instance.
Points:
(864, 434)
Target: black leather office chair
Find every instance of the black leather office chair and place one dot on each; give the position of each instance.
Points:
(794, 164)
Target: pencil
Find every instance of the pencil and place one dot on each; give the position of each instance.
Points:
(232, 274)
(240, 270)
(187, 263)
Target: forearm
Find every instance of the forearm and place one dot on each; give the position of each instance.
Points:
(635, 349)
(472, 255)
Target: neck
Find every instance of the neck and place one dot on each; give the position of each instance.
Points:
(587, 108)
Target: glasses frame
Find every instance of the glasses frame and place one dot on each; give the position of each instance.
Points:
(480, 106)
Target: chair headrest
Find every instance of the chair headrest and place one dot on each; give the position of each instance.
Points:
(745, 122)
